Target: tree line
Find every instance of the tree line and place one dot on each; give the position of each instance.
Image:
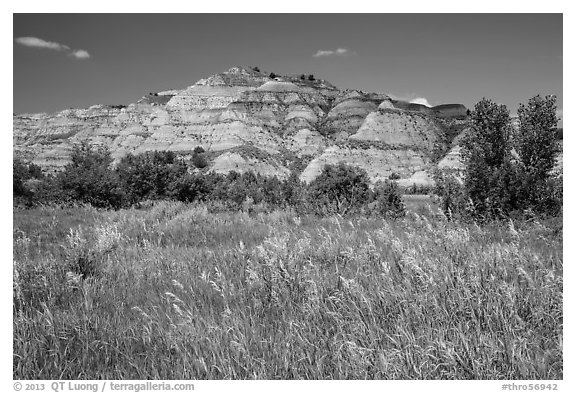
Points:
(90, 178)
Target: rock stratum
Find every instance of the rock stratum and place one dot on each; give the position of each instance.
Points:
(246, 120)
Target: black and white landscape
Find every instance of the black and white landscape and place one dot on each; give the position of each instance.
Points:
(291, 196)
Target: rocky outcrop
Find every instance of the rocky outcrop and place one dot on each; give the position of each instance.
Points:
(217, 91)
(236, 162)
(452, 160)
(282, 107)
(457, 111)
(348, 112)
(248, 120)
(399, 128)
(306, 142)
(379, 163)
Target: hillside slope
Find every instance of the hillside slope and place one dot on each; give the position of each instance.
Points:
(247, 120)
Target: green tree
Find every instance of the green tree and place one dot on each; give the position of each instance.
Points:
(339, 189)
(88, 178)
(19, 176)
(486, 150)
(25, 178)
(537, 147)
(388, 200)
(536, 140)
(497, 181)
(199, 158)
(293, 191)
(453, 198)
(150, 175)
(189, 188)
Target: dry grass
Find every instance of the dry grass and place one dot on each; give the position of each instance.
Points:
(176, 292)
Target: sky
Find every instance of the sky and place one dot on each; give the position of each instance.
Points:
(65, 61)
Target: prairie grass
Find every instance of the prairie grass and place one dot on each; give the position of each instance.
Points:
(175, 291)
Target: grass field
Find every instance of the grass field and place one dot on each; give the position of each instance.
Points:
(175, 291)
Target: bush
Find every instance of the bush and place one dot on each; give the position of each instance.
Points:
(89, 178)
(199, 160)
(22, 175)
(189, 188)
(387, 201)
(293, 191)
(339, 189)
(152, 175)
(454, 201)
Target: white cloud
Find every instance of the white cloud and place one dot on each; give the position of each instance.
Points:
(80, 54)
(413, 98)
(337, 52)
(421, 101)
(35, 42)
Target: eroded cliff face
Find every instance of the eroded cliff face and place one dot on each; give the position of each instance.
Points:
(399, 129)
(378, 162)
(284, 123)
(349, 110)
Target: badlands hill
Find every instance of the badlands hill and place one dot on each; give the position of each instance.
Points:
(246, 120)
